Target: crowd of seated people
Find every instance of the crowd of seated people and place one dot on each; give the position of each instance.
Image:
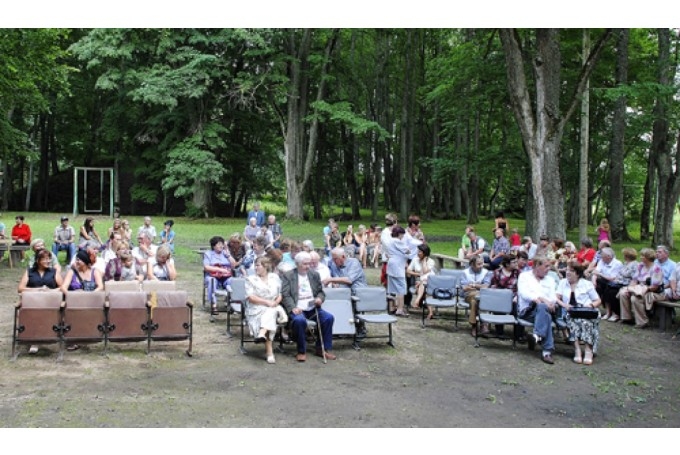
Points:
(627, 289)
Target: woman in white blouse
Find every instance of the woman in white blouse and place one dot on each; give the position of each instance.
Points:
(263, 311)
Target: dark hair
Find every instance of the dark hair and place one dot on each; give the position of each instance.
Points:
(425, 249)
(169, 223)
(523, 255)
(84, 256)
(39, 255)
(215, 240)
(87, 221)
(19, 217)
(579, 269)
(397, 230)
(507, 259)
(587, 242)
(413, 219)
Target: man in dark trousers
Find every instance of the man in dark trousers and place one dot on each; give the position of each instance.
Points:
(303, 296)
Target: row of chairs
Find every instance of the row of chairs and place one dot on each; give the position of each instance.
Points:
(368, 306)
(495, 306)
(114, 315)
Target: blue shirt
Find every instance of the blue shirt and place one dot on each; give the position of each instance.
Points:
(259, 217)
(668, 268)
(352, 270)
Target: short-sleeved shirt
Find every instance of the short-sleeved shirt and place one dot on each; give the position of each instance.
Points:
(351, 270)
(64, 234)
(584, 292)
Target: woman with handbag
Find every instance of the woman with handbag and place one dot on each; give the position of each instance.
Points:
(218, 266)
(578, 296)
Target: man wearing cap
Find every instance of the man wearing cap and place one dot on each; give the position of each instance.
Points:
(64, 240)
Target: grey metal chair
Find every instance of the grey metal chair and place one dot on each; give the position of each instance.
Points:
(235, 304)
(340, 303)
(448, 282)
(496, 307)
(372, 308)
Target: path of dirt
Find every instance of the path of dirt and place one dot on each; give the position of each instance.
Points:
(434, 378)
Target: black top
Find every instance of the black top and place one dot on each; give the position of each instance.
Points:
(35, 280)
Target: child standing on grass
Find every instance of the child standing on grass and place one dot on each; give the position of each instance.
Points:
(603, 230)
(515, 240)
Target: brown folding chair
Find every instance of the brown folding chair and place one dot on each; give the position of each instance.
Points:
(39, 319)
(127, 318)
(85, 317)
(171, 316)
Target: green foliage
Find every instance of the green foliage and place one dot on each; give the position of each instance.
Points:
(342, 112)
(192, 161)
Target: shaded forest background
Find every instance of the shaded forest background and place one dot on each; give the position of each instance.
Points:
(562, 127)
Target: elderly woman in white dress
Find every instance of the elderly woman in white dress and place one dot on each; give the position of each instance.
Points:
(263, 311)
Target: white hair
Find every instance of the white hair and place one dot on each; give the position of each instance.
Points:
(302, 256)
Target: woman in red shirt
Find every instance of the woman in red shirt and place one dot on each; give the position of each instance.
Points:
(21, 233)
(586, 254)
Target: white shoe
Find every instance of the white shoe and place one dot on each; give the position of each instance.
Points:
(271, 359)
(33, 349)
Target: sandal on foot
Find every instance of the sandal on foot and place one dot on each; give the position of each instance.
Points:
(588, 358)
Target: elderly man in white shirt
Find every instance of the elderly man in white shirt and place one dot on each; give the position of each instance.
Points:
(604, 279)
(537, 302)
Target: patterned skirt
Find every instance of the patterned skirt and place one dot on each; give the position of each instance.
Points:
(586, 330)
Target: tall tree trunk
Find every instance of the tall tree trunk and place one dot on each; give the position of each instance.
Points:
(660, 152)
(617, 219)
(542, 129)
(473, 184)
(645, 213)
(584, 206)
(405, 177)
(300, 140)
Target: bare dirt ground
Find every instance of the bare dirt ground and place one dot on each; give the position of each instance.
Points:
(435, 378)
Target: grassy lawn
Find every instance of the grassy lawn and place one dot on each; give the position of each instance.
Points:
(194, 233)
